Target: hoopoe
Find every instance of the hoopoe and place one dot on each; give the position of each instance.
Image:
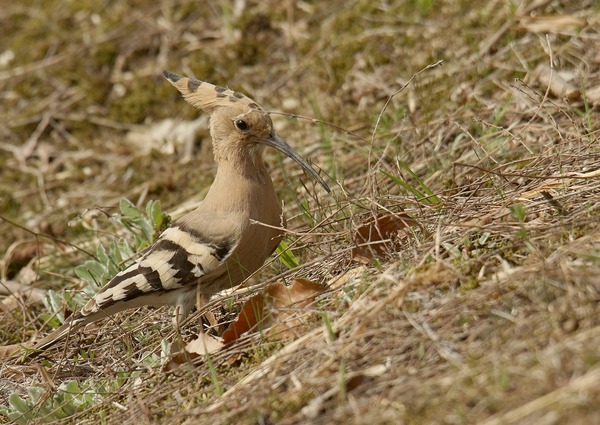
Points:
(221, 242)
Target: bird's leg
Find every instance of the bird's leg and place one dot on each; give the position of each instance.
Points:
(201, 300)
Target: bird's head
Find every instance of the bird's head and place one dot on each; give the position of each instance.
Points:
(237, 124)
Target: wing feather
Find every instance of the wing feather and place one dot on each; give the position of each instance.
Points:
(178, 258)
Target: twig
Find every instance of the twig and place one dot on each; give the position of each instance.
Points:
(45, 235)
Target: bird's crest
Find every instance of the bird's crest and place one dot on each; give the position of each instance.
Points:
(207, 96)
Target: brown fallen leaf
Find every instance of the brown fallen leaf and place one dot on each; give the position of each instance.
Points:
(374, 238)
(252, 314)
(20, 254)
(288, 306)
(551, 24)
(204, 344)
(8, 350)
(342, 280)
(167, 136)
(277, 308)
(547, 77)
(199, 347)
(352, 381)
(18, 294)
(592, 95)
(570, 181)
(10, 303)
(278, 304)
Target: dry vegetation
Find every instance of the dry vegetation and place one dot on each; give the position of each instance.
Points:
(484, 310)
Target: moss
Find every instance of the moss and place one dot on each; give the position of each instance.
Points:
(8, 204)
(257, 36)
(470, 283)
(135, 105)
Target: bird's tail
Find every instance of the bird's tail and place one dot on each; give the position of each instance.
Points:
(73, 323)
(57, 335)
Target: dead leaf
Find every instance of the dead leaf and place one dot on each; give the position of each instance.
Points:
(593, 95)
(559, 86)
(288, 306)
(204, 344)
(165, 136)
(8, 350)
(278, 304)
(299, 294)
(199, 347)
(551, 24)
(18, 295)
(21, 254)
(252, 314)
(342, 279)
(352, 381)
(10, 303)
(375, 237)
(567, 181)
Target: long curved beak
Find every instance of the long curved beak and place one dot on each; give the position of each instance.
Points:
(281, 145)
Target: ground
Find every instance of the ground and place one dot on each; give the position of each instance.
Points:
(459, 253)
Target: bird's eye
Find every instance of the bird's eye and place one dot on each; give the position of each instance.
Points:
(241, 125)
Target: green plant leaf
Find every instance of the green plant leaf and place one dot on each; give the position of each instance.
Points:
(405, 185)
(53, 302)
(125, 252)
(128, 209)
(146, 227)
(18, 404)
(519, 212)
(426, 195)
(483, 238)
(286, 256)
(102, 255)
(93, 273)
(35, 394)
(154, 211)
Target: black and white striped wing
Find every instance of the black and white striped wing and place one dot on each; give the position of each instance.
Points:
(180, 257)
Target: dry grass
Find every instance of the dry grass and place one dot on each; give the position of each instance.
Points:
(487, 313)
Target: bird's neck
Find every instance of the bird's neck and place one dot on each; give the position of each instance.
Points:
(245, 160)
(241, 180)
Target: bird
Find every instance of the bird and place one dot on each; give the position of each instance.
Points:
(221, 242)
